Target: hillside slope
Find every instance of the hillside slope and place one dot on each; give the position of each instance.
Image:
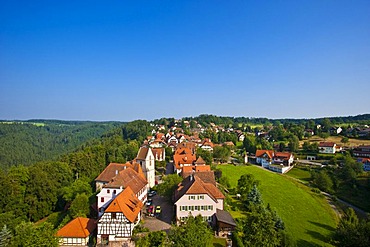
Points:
(307, 216)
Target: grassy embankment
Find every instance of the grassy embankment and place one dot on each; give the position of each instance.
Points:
(307, 216)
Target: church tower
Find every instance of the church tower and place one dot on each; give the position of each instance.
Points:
(145, 158)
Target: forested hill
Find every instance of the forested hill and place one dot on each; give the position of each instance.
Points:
(206, 119)
(31, 141)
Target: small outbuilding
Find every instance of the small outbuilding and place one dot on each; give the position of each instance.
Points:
(225, 223)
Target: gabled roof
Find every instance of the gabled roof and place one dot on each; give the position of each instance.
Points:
(327, 144)
(260, 153)
(225, 217)
(200, 161)
(193, 184)
(127, 203)
(110, 171)
(203, 172)
(143, 152)
(77, 228)
(284, 155)
(128, 178)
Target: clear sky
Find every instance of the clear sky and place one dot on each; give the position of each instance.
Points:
(127, 60)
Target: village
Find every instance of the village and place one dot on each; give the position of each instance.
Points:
(126, 194)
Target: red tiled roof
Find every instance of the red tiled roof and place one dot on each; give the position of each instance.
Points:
(183, 156)
(110, 171)
(270, 153)
(193, 184)
(326, 144)
(284, 155)
(203, 168)
(128, 178)
(200, 161)
(127, 203)
(77, 228)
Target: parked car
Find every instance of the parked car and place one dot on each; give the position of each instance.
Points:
(157, 210)
(152, 193)
(150, 210)
(149, 202)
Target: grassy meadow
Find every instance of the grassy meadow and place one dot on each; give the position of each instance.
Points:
(307, 216)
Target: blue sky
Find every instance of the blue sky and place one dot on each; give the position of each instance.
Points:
(127, 60)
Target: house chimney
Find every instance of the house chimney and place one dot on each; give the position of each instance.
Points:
(116, 172)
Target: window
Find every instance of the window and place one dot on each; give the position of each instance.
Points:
(114, 215)
(210, 207)
(203, 208)
(201, 197)
(191, 208)
(114, 191)
(108, 191)
(191, 197)
(102, 199)
(196, 208)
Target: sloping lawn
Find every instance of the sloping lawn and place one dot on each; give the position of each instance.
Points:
(307, 216)
(301, 174)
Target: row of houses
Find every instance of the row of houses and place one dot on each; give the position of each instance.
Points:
(122, 194)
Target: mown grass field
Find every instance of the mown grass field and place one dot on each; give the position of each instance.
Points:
(307, 216)
(303, 175)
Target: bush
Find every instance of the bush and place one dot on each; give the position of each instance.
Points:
(316, 190)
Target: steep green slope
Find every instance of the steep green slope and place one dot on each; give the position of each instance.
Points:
(308, 217)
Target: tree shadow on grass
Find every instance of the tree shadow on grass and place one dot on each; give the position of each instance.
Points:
(305, 243)
(318, 236)
(327, 227)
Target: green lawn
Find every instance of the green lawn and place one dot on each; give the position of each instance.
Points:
(307, 216)
(219, 242)
(300, 174)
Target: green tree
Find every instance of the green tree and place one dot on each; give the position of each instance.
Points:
(293, 143)
(323, 181)
(79, 186)
(249, 144)
(153, 239)
(258, 229)
(245, 183)
(28, 234)
(5, 236)
(194, 233)
(351, 231)
(254, 197)
(169, 185)
(80, 206)
(221, 153)
(206, 155)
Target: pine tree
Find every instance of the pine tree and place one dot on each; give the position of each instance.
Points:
(5, 237)
(254, 197)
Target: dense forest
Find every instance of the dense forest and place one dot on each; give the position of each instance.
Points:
(206, 119)
(62, 189)
(37, 140)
